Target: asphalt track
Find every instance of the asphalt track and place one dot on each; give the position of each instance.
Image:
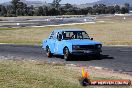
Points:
(118, 58)
(22, 22)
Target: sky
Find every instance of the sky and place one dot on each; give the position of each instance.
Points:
(63, 1)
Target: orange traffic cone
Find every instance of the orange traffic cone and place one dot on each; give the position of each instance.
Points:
(85, 78)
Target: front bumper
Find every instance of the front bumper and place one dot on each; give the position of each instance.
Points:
(86, 52)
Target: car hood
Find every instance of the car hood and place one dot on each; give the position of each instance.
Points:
(82, 42)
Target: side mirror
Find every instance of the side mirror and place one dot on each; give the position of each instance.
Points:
(91, 39)
(59, 37)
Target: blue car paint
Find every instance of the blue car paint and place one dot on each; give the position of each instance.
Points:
(83, 42)
(56, 47)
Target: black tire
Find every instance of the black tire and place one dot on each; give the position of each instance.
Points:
(97, 56)
(48, 52)
(67, 55)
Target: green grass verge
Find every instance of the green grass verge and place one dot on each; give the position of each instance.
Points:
(40, 74)
(8, 28)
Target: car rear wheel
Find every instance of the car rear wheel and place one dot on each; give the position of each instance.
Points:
(66, 54)
(48, 52)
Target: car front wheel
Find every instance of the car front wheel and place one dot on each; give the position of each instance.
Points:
(48, 52)
(97, 56)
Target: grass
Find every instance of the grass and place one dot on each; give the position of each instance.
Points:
(40, 74)
(114, 31)
(29, 74)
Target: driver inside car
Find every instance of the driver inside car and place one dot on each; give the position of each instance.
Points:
(74, 35)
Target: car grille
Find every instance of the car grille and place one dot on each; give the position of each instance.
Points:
(86, 47)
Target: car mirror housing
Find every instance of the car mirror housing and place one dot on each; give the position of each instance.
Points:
(91, 39)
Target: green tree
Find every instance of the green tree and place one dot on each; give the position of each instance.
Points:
(89, 10)
(21, 10)
(127, 7)
(3, 10)
(84, 11)
(124, 10)
(110, 10)
(53, 11)
(99, 9)
(10, 11)
(117, 9)
(15, 5)
(40, 11)
(30, 10)
(19, 7)
(68, 6)
(56, 4)
(62, 11)
(45, 10)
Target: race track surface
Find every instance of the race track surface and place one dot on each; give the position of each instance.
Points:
(118, 58)
(22, 22)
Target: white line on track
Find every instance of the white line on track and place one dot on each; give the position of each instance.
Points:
(65, 24)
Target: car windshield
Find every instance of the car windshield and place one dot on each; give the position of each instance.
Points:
(75, 35)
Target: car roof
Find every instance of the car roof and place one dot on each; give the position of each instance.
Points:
(67, 29)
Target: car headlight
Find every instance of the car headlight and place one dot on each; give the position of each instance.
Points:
(75, 46)
(99, 46)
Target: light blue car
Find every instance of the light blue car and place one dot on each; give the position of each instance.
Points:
(69, 42)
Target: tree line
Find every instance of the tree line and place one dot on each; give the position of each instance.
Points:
(18, 8)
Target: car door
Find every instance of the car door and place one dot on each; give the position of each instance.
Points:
(57, 44)
(52, 41)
